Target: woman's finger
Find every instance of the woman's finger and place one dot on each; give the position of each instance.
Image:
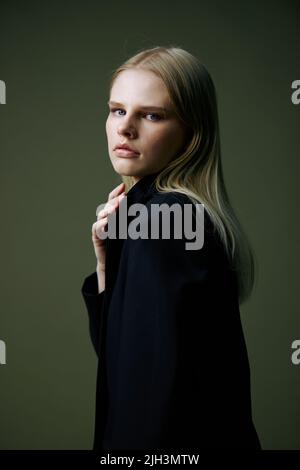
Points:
(115, 192)
(99, 226)
(111, 205)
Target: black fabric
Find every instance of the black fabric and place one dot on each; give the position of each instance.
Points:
(173, 370)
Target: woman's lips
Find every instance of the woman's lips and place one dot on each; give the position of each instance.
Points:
(126, 153)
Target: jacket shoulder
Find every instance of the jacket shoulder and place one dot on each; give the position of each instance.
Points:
(213, 242)
(188, 228)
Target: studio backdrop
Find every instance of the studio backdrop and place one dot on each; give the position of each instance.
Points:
(56, 61)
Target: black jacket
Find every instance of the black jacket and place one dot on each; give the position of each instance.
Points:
(173, 370)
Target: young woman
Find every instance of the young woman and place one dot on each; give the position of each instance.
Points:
(173, 370)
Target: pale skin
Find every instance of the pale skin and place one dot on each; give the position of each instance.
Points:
(156, 134)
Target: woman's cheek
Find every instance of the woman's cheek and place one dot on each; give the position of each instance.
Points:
(159, 140)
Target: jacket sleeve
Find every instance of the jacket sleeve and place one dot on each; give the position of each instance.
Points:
(156, 341)
(93, 301)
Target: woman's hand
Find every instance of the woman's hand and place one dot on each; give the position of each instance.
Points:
(114, 199)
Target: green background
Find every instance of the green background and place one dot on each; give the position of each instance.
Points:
(56, 59)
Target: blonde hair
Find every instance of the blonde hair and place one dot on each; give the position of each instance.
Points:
(197, 171)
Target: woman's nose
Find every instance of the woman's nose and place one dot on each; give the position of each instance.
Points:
(126, 128)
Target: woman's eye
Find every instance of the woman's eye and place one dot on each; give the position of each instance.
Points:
(113, 110)
(153, 114)
(157, 116)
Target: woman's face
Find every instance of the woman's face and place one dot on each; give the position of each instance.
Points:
(135, 120)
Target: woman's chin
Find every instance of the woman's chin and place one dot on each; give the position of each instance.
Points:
(126, 166)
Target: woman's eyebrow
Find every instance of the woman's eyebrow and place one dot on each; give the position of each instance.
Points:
(157, 108)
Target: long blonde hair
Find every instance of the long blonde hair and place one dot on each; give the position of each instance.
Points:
(197, 171)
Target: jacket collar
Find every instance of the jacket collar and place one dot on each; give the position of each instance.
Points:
(144, 187)
(139, 192)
